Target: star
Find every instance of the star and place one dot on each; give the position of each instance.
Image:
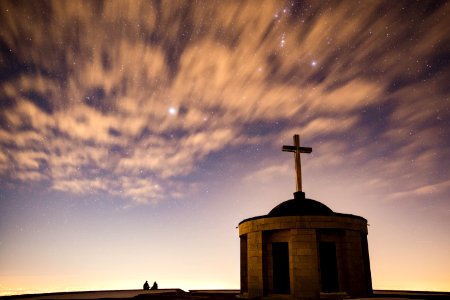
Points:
(172, 111)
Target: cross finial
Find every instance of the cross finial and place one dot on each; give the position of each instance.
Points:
(297, 150)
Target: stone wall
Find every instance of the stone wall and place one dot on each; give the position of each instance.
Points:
(303, 235)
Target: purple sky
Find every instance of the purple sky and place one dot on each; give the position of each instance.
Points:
(134, 137)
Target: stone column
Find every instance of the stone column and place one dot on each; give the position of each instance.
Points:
(304, 263)
(255, 264)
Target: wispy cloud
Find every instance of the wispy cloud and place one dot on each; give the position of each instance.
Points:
(424, 191)
(86, 88)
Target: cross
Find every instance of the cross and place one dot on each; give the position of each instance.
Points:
(297, 150)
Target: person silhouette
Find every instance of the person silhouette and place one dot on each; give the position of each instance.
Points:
(154, 286)
(146, 286)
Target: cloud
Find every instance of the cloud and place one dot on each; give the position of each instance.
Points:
(321, 126)
(269, 173)
(428, 191)
(86, 89)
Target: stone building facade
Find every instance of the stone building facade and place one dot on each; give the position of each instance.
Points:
(304, 250)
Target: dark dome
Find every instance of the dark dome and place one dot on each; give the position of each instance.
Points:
(300, 206)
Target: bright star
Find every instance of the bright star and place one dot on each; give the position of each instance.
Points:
(313, 63)
(172, 110)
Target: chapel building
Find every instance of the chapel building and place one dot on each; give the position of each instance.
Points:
(303, 250)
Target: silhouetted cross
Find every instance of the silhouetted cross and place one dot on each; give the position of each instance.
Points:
(297, 150)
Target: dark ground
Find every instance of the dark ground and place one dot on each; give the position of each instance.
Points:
(220, 295)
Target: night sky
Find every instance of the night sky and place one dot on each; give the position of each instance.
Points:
(134, 137)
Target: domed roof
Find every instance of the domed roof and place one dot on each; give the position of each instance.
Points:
(300, 206)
